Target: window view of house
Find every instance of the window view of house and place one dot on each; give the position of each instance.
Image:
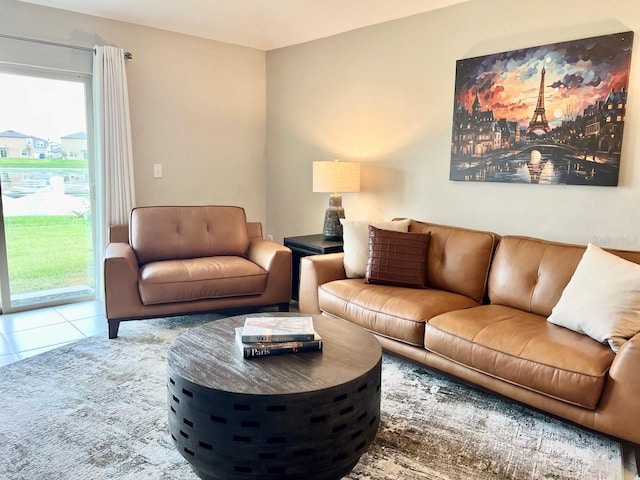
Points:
(44, 179)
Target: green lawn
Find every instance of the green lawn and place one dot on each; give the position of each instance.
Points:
(41, 163)
(48, 252)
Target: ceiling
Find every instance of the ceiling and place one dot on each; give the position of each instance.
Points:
(261, 24)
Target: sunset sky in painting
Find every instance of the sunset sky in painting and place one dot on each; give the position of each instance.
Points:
(578, 74)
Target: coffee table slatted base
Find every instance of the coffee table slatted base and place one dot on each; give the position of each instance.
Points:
(314, 435)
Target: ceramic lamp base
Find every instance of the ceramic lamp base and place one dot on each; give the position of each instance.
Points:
(332, 228)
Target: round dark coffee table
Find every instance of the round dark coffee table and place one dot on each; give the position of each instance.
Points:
(304, 415)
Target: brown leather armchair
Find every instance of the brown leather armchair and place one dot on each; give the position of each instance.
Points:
(186, 259)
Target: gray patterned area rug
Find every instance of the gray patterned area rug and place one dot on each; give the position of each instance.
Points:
(96, 409)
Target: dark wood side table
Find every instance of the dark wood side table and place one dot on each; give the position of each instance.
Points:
(285, 417)
(307, 245)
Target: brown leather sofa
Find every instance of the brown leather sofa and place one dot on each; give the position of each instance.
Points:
(187, 259)
(484, 320)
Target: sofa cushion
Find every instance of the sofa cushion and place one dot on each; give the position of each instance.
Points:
(602, 299)
(523, 349)
(199, 278)
(355, 236)
(168, 233)
(394, 312)
(459, 259)
(397, 258)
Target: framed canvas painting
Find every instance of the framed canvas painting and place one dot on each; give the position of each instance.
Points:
(551, 114)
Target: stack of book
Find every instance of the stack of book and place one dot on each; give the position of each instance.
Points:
(262, 336)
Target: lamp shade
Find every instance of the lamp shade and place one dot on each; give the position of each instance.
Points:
(336, 177)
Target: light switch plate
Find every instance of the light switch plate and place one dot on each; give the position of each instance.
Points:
(157, 170)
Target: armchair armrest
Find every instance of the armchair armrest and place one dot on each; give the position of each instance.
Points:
(265, 252)
(619, 409)
(314, 271)
(275, 259)
(120, 280)
(254, 229)
(118, 233)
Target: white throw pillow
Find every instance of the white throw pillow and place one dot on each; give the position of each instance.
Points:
(602, 299)
(355, 235)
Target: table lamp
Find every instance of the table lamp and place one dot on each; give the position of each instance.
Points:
(335, 177)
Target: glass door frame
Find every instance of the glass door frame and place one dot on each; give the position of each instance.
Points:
(5, 290)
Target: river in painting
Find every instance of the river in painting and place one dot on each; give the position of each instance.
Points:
(539, 164)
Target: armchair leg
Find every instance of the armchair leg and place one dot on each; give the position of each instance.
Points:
(283, 307)
(113, 328)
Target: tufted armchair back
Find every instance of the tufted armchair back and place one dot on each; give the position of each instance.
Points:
(177, 232)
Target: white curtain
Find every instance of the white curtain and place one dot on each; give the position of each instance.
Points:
(115, 183)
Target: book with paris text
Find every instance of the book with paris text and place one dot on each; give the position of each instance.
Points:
(261, 349)
(278, 329)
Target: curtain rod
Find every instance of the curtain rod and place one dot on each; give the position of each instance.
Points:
(127, 55)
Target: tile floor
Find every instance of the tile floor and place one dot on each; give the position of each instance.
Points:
(29, 333)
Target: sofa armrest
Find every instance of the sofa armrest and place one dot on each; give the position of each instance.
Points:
(120, 280)
(619, 409)
(314, 271)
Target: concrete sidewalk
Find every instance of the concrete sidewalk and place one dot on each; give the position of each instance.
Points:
(45, 203)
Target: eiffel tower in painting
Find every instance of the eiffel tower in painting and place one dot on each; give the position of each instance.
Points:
(539, 120)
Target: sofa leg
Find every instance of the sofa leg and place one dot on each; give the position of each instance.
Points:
(636, 449)
(113, 328)
(283, 307)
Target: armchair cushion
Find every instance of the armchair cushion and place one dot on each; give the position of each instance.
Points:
(196, 279)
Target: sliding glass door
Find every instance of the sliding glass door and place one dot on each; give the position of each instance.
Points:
(46, 232)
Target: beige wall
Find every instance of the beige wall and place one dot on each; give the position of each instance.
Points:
(384, 95)
(197, 106)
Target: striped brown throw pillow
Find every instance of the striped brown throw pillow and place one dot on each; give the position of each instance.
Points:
(397, 258)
